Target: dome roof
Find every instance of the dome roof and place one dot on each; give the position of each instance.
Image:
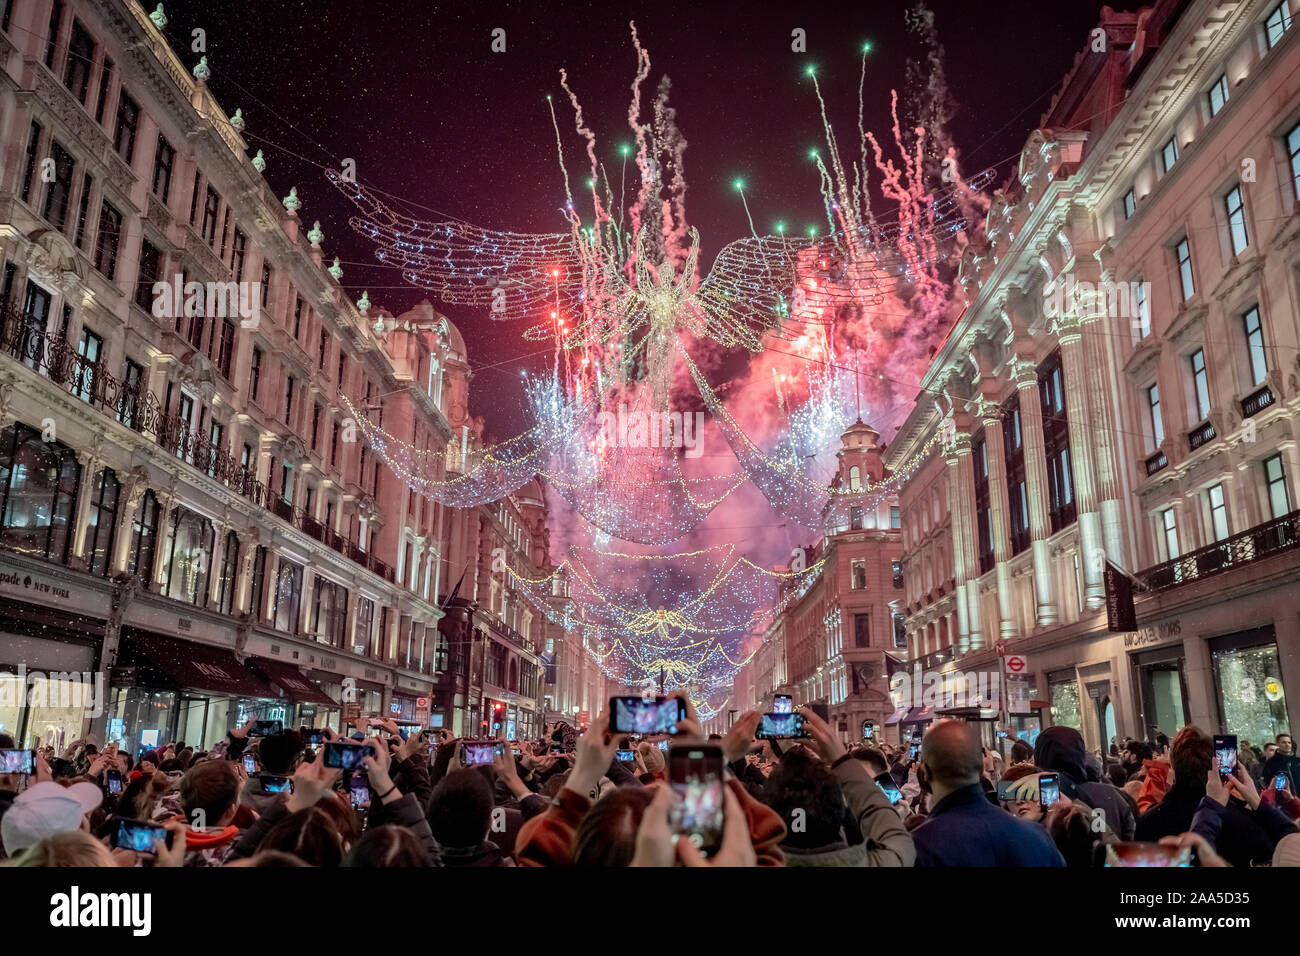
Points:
(531, 493)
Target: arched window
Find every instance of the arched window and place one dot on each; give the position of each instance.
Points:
(229, 564)
(191, 558)
(39, 482)
(101, 524)
(144, 539)
(855, 478)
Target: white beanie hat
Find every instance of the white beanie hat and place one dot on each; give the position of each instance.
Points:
(44, 809)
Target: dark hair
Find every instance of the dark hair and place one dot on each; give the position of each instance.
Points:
(1073, 836)
(274, 858)
(1117, 774)
(279, 751)
(388, 845)
(801, 782)
(1192, 757)
(1021, 752)
(460, 810)
(1162, 741)
(312, 835)
(554, 784)
(1019, 770)
(138, 797)
(170, 765)
(213, 787)
(7, 742)
(607, 834)
(874, 758)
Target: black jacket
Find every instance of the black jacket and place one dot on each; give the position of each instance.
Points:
(964, 829)
(1246, 838)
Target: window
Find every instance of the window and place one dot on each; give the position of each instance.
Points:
(334, 445)
(52, 34)
(198, 324)
(1236, 220)
(1218, 512)
(1183, 253)
(855, 518)
(1169, 525)
(89, 351)
(29, 162)
(129, 398)
(225, 233)
(324, 347)
(1157, 422)
(211, 203)
(144, 539)
(1200, 385)
(1143, 308)
(39, 482)
(1218, 94)
(983, 511)
(128, 117)
(855, 478)
(1276, 24)
(1056, 444)
(191, 558)
(101, 522)
(858, 571)
(83, 212)
(226, 348)
(164, 158)
(1017, 496)
(150, 267)
(266, 281)
(895, 517)
(1169, 155)
(329, 612)
(227, 575)
(55, 210)
(1255, 346)
(105, 87)
(1130, 203)
(315, 424)
(81, 53)
(255, 373)
(289, 385)
(106, 242)
(257, 608)
(288, 597)
(194, 198)
(861, 630)
(1279, 502)
(365, 626)
(297, 317)
(216, 436)
(238, 245)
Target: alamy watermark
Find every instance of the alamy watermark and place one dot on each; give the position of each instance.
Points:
(634, 429)
(55, 689)
(1122, 300)
(215, 300)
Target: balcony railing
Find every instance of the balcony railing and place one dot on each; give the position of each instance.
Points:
(24, 337)
(1262, 541)
(1201, 434)
(1156, 462)
(1257, 401)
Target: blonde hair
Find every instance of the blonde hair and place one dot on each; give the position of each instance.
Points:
(74, 848)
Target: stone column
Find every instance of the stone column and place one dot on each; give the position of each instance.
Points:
(1083, 459)
(216, 563)
(244, 573)
(1098, 324)
(1031, 432)
(90, 464)
(134, 486)
(999, 514)
(162, 550)
(968, 565)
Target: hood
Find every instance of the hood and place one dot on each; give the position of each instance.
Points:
(1062, 749)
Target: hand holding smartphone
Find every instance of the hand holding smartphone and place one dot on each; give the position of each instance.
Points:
(1225, 749)
(695, 773)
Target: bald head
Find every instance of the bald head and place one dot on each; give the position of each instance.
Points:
(952, 755)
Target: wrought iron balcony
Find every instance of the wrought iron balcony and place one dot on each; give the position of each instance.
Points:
(1156, 463)
(1201, 434)
(1257, 401)
(1262, 541)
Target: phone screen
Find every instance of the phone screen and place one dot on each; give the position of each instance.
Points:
(695, 774)
(341, 756)
(1049, 789)
(476, 752)
(277, 783)
(113, 780)
(913, 750)
(886, 783)
(780, 726)
(314, 736)
(360, 793)
(1147, 854)
(17, 761)
(625, 756)
(140, 835)
(782, 704)
(1279, 782)
(266, 728)
(868, 731)
(634, 715)
(1225, 748)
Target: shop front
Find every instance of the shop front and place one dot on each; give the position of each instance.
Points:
(1161, 682)
(311, 706)
(1248, 681)
(408, 711)
(170, 689)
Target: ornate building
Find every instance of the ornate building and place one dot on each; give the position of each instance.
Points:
(1119, 399)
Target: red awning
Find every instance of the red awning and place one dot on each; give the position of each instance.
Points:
(289, 679)
(194, 666)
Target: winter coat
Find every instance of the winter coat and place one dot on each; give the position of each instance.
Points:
(885, 842)
(964, 829)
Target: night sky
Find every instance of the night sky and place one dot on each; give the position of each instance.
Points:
(413, 92)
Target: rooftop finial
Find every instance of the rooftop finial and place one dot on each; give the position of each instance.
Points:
(336, 270)
(315, 236)
(259, 162)
(237, 121)
(158, 17)
(363, 303)
(291, 201)
(202, 71)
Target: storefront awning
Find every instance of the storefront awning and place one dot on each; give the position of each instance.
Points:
(897, 716)
(193, 666)
(918, 715)
(289, 679)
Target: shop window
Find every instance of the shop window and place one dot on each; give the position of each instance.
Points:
(144, 539)
(39, 481)
(101, 522)
(1248, 675)
(1065, 703)
(859, 574)
(288, 597)
(229, 570)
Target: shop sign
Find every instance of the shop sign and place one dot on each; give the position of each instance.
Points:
(32, 586)
(422, 711)
(1272, 688)
(1154, 634)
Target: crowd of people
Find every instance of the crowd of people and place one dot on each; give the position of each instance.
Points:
(599, 798)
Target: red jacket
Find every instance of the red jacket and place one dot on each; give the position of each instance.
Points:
(547, 839)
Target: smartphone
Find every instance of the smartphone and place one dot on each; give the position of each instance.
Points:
(780, 727)
(266, 728)
(886, 783)
(1147, 854)
(313, 736)
(782, 704)
(821, 710)
(516, 751)
(347, 756)
(17, 761)
(1049, 789)
(913, 749)
(359, 792)
(140, 835)
(277, 783)
(868, 731)
(476, 752)
(113, 781)
(663, 745)
(695, 774)
(1005, 790)
(636, 715)
(250, 763)
(1280, 781)
(625, 756)
(1225, 748)
(557, 748)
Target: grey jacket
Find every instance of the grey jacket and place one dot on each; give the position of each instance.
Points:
(886, 841)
